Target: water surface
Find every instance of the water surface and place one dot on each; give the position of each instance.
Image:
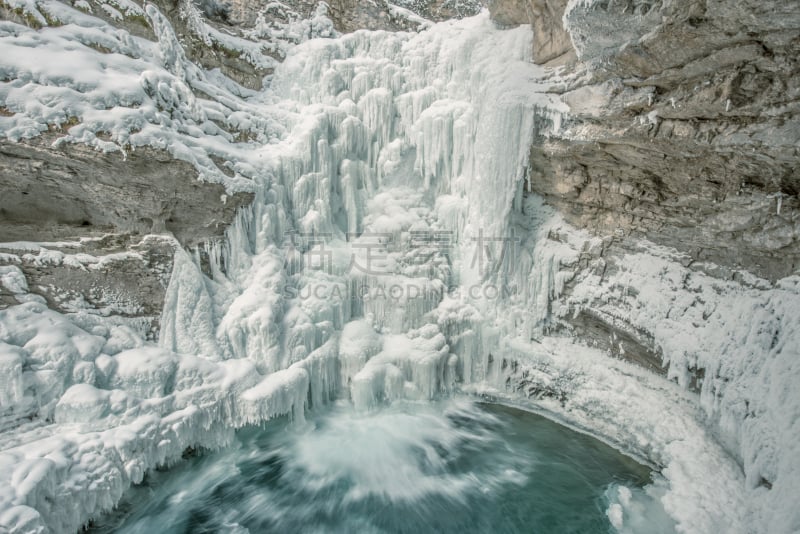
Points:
(452, 466)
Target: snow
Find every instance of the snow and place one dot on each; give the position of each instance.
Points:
(400, 12)
(12, 279)
(82, 403)
(270, 25)
(747, 341)
(145, 407)
(322, 289)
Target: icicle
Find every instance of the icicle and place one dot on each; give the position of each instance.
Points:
(186, 319)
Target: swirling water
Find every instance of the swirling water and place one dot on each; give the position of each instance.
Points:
(450, 466)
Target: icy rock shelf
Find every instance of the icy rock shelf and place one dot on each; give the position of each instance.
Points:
(359, 143)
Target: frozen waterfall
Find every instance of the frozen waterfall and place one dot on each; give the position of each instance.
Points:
(393, 251)
(404, 157)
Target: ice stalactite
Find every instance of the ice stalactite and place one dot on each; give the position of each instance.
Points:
(188, 328)
(322, 289)
(318, 289)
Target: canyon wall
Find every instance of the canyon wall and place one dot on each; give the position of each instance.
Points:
(684, 130)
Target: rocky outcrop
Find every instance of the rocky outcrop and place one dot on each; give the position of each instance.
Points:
(82, 216)
(550, 39)
(210, 53)
(684, 129)
(46, 189)
(119, 277)
(351, 15)
(94, 232)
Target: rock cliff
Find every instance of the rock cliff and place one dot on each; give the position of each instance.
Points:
(684, 130)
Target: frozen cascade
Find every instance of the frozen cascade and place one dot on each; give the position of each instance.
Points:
(187, 330)
(361, 106)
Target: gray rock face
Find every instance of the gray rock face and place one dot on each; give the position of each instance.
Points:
(687, 131)
(104, 205)
(44, 188)
(212, 55)
(87, 212)
(116, 276)
(684, 129)
(351, 15)
(550, 39)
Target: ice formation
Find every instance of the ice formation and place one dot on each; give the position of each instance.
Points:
(388, 172)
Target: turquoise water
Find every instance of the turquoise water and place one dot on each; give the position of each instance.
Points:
(453, 466)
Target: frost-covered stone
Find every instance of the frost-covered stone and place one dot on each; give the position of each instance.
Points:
(145, 372)
(82, 403)
(12, 279)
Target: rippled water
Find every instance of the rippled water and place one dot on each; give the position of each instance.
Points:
(453, 466)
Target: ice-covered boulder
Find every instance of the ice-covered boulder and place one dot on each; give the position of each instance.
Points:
(145, 372)
(12, 279)
(82, 403)
(121, 338)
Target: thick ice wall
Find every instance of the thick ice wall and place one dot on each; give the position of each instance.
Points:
(134, 410)
(365, 100)
(435, 67)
